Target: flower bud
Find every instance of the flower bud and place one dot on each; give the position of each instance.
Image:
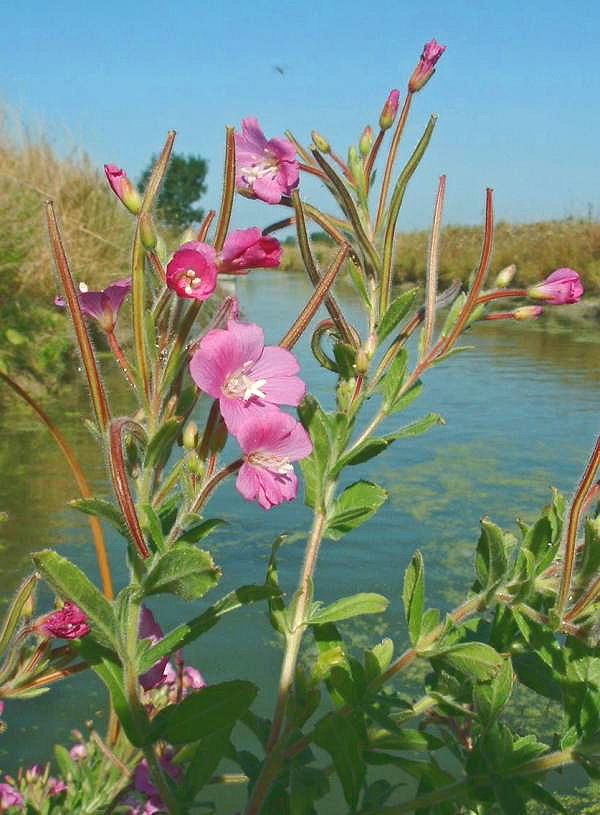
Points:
(319, 142)
(362, 362)
(560, 288)
(190, 436)
(147, 232)
(527, 312)
(123, 188)
(505, 276)
(356, 168)
(68, 623)
(194, 464)
(190, 234)
(366, 140)
(390, 109)
(425, 69)
(344, 393)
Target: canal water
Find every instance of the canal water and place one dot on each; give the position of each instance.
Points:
(522, 411)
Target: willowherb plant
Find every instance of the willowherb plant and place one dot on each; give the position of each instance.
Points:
(529, 617)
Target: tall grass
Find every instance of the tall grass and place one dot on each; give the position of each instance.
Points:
(33, 337)
(537, 249)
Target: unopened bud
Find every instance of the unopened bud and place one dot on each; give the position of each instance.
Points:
(147, 232)
(319, 142)
(425, 69)
(190, 436)
(123, 188)
(505, 276)
(390, 109)
(527, 312)
(194, 464)
(356, 168)
(362, 362)
(344, 393)
(366, 140)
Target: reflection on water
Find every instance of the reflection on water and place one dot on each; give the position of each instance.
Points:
(521, 412)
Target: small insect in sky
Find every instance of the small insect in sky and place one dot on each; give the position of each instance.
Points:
(280, 69)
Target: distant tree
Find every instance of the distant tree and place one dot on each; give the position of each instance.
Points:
(181, 190)
(322, 237)
(290, 240)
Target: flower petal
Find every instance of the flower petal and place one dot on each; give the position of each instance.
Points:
(279, 366)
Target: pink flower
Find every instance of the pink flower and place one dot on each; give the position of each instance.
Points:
(78, 752)
(144, 785)
(56, 786)
(123, 188)
(248, 249)
(268, 169)
(390, 109)
(9, 797)
(560, 288)
(103, 306)
(247, 378)
(192, 271)
(149, 629)
(68, 623)
(425, 69)
(270, 442)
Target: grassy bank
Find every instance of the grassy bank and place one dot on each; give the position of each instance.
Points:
(34, 338)
(537, 249)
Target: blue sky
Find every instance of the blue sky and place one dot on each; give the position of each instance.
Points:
(516, 91)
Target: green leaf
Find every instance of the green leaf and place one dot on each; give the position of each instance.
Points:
(407, 399)
(490, 561)
(474, 659)
(183, 570)
(205, 761)
(490, 697)
(345, 356)
(194, 628)
(373, 447)
(394, 379)
(337, 736)
(315, 466)
(71, 584)
(378, 658)
(102, 509)
(356, 504)
(159, 446)
(413, 595)
(347, 607)
(452, 316)
(398, 309)
(200, 531)
(202, 714)
(152, 526)
(543, 796)
(307, 785)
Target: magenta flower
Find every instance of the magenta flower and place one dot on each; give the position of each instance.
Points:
(9, 797)
(123, 188)
(247, 378)
(78, 752)
(103, 306)
(68, 623)
(192, 271)
(268, 169)
(425, 69)
(56, 786)
(390, 109)
(149, 629)
(248, 249)
(560, 288)
(270, 443)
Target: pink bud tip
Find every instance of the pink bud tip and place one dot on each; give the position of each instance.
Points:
(527, 313)
(561, 288)
(425, 69)
(123, 188)
(390, 109)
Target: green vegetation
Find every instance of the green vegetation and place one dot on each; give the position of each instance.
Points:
(182, 188)
(537, 249)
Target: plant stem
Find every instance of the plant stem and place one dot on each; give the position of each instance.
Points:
(120, 357)
(498, 293)
(432, 268)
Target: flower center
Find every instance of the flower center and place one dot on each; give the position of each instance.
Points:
(276, 464)
(240, 386)
(267, 166)
(191, 281)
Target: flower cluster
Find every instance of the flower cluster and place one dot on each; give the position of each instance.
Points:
(193, 269)
(30, 790)
(250, 382)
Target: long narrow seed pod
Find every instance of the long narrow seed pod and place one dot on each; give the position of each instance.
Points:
(228, 190)
(387, 175)
(86, 349)
(118, 427)
(432, 269)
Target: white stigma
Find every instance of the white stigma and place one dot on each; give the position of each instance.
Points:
(276, 464)
(83, 288)
(240, 385)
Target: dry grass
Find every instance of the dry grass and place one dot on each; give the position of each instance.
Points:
(537, 249)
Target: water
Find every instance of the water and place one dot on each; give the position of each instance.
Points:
(522, 415)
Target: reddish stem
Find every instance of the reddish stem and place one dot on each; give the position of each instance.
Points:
(120, 357)
(496, 295)
(372, 156)
(313, 171)
(203, 231)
